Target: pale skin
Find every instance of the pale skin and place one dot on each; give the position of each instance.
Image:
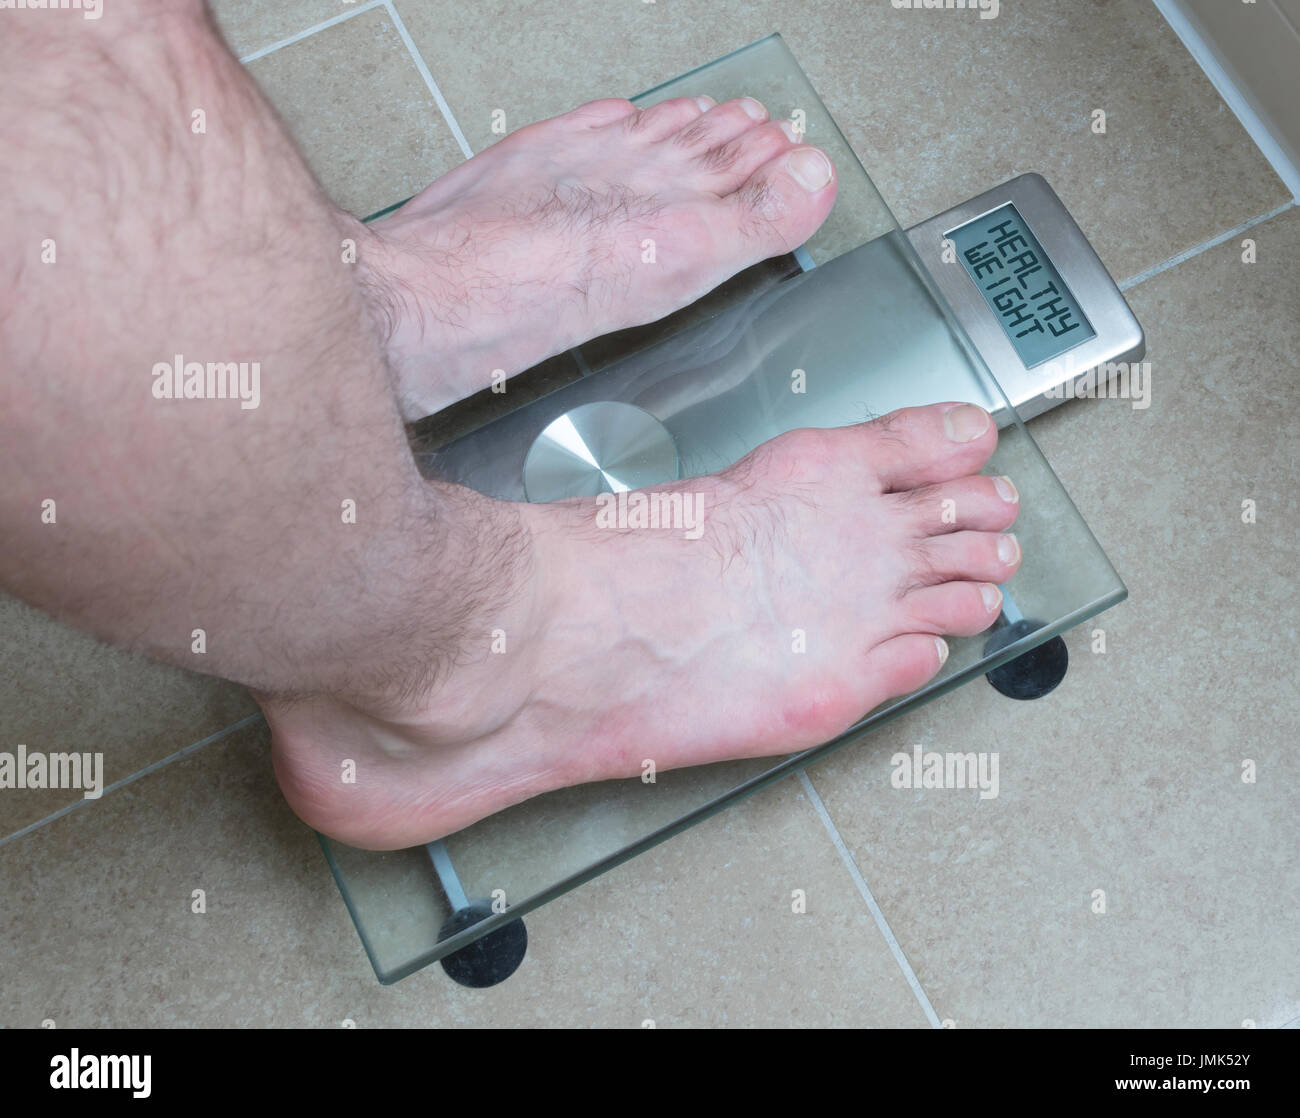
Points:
(372, 641)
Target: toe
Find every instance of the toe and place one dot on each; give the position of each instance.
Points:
(781, 205)
(958, 608)
(901, 664)
(982, 556)
(596, 114)
(720, 124)
(985, 504)
(913, 447)
(668, 118)
(728, 166)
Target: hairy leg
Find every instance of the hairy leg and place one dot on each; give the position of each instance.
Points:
(129, 238)
(360, 602)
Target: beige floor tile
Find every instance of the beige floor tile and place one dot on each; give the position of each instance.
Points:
(61, 691)
(251, 25)
(97, 927)
(957, 106)
(365, 120)
(938, 104)
(518, 57)
(1129, 777)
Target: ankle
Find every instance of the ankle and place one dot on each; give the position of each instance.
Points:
(417, 311)
(491, 653)
(374, 262)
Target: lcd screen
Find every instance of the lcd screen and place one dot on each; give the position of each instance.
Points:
(1038, 313)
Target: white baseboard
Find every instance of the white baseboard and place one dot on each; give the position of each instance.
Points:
(1267, 135)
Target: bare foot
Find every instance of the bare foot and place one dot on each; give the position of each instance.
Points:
(603, 218)
(635, 644)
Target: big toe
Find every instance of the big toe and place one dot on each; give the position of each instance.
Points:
(928, 445)
(779, 206)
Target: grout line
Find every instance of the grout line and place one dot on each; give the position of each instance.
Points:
(310, 31)
(193, 747)
(420, 65)
(861, 883)
(1205, 56)
(1174, 261)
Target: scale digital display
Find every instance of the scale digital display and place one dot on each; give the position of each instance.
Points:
(1038, 313)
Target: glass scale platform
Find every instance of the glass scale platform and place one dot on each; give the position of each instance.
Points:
(856, 308)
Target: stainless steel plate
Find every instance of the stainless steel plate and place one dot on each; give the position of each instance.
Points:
(605, 447)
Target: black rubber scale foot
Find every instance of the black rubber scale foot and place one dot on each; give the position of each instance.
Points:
(489, 960)
(1034, 674)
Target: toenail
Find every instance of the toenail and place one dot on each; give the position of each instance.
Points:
(810, 168)
(791, 132)
(942, 646)
(991, 596)
(1006, 490)
(705, 103)
(965, 422)
(1008, 548)
(753, 109)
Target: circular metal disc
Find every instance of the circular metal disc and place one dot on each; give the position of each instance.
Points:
(606, 447)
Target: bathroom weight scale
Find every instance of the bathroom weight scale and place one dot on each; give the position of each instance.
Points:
(999, 301)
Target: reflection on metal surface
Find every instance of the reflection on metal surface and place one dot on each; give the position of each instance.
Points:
(604, 447)
(852, 339)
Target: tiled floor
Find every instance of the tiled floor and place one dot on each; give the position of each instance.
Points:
(681, 937)
(1127, 779)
